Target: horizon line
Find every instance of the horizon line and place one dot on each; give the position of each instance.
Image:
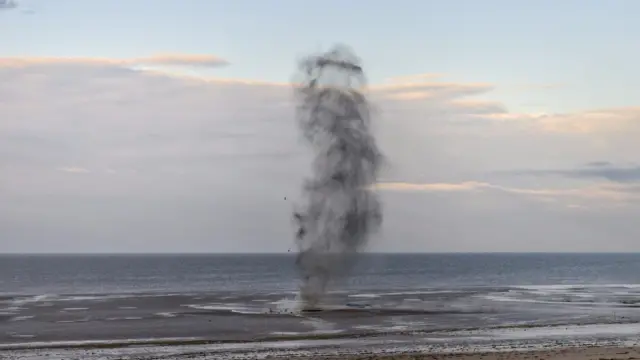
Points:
(294, 253)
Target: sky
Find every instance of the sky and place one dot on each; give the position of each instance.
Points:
(168, 126)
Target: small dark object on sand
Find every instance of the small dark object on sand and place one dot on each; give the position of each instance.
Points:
(312, 310)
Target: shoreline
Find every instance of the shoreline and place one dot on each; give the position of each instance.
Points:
(455, 335)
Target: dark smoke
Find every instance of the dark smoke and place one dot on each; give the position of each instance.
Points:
(341, 211)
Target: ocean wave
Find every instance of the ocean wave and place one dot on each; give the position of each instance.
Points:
(234, 308)
(124, 318)
(166, 314)
(85, 343)
(52, 298)
(22, 318)
(367, 296)
(556, 331)
(569, 295)
(577, 287)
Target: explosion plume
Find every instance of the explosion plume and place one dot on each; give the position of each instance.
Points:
(341, 211)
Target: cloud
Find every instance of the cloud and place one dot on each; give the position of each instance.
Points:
(74, 170)
(541, 86)
(108, 114)
(605, 120)
(434, 187)
(157, 60)
(599, 163)
(104, 149)
(599, 122)
(8, 4)
(603, 191)
(181, 131)
(430, 90)
(414, 78)
(109, 152)
(600, 169)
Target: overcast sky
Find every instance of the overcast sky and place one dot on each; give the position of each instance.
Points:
(167, 126)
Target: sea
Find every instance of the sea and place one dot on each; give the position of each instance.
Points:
(231, 303)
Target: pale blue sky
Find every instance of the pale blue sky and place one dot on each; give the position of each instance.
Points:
(589, 47)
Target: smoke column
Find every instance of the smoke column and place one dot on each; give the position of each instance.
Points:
(341, 210)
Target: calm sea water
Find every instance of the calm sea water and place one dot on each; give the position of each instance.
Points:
(82, 274)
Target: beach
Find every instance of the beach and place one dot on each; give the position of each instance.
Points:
(246, 307)
(591, 353)
(573, 349)
(577, 353)
(501, 342)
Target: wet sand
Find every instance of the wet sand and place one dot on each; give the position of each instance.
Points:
(249, 317)
(202, 317)
(262, 326)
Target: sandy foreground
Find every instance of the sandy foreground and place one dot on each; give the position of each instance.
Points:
(578, 353)
(593, 352)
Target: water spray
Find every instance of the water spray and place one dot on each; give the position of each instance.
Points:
(341, 211)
